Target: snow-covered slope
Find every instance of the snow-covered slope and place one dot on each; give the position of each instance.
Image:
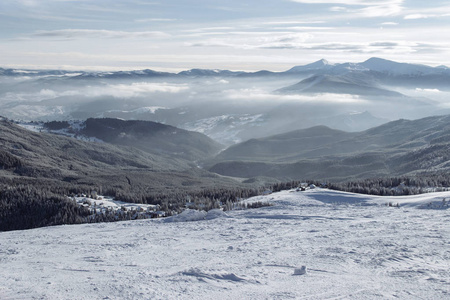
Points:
(319, 65)
(317, 244)
(395, 68)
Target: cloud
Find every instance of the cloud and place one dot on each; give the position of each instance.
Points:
(28, 2)
(425, 16)
(427, 12)
(155, 20)
(255, 94)
(138, 89)
(384, 44)
(35, 97)
(428, 90)
(255, 40)
(417, 16)
(102, 34)
(293, 22)
(338, 8)
(380, 8)
(209, 29)
(141, 88)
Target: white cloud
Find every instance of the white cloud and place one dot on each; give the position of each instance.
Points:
(141, 88)
(255, 94)
(28, 2)
(256, 40)
(91, 33)
(155, 20)
(428, 90)
(137, 89)
(47, 93)
(418, 16)
(426, 13)
(338, 8)
(375, 8)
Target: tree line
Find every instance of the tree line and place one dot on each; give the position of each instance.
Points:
(29, 202)
(380, 186)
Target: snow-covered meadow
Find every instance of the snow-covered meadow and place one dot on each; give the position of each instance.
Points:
(317, 244)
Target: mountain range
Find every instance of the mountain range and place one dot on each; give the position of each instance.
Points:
(233, 106)
(373, 65)
(402, 147)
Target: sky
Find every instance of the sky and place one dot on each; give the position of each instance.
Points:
(175, 35)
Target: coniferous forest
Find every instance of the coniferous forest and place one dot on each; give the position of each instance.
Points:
(27, 203)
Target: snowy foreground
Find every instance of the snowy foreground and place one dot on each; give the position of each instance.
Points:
(351, 247)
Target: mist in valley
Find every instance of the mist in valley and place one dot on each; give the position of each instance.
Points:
(229, 108)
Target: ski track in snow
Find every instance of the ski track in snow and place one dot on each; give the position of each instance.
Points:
(353, 246)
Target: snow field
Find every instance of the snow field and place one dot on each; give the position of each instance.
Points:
(352, 246)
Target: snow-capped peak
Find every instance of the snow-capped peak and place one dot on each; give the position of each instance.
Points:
(320, 64)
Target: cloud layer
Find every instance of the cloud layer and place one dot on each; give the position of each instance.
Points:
(90, 33)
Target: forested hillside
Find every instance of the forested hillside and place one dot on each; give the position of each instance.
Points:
(39, 170)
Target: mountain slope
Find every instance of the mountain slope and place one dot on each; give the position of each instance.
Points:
(385, 72)
(395, 68)
(284, 145)
(43, 156)
(319, 65)
(396, 148)
(148, 136)
(152, 137)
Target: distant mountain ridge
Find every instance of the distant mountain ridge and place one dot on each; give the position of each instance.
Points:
(373, 64)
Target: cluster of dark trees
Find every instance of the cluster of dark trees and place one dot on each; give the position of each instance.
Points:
(282, 186)
(27, 203)
(383, 186)
(25, 206)
(396, 186)
(57, 125)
